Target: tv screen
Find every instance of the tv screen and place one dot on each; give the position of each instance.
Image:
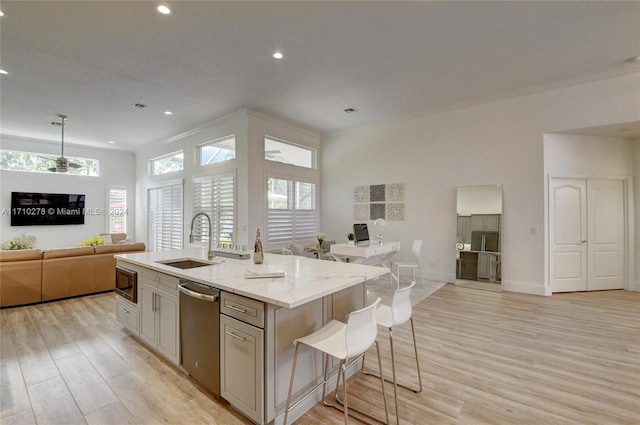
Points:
(43, 209)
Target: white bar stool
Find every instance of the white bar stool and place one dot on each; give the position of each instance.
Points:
(398, 314)
(342, 341)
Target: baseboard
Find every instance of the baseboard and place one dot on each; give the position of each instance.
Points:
(525, 288)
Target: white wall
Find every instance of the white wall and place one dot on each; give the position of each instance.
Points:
(116, 169)
(591, 156)
(499, 142)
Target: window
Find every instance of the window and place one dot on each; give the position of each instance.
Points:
(167, 164)
(164, 219)
(215, 195)
(289, 153)
(41, 162)
(117, 210)
(291, 210)
(217, 151)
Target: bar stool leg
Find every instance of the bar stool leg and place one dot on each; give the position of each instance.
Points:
(293, 373)
(415, 350)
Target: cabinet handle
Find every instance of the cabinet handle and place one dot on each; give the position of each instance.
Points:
(240, 310)
(235, 336)
(157, 301)
(124, 309)
(584, 241)
(153, 302)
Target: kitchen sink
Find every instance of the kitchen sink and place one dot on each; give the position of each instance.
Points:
(186, 263)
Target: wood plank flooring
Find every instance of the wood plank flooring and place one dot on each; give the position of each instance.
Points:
(486, 358)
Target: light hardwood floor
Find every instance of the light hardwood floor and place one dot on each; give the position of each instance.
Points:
(486, 358)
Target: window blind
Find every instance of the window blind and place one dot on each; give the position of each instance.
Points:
(291, 211)
(117, 210)
(165, 217)
(215, 195)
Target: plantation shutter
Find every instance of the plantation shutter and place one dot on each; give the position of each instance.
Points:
(291, 211)
(165, 217)
(117, 210)
(215, 195)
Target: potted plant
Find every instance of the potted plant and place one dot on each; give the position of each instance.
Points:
(351, 238)
(22, 241)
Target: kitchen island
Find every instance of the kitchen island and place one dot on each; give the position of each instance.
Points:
(255, 355)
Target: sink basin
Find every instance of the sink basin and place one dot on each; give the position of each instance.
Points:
(186, 263)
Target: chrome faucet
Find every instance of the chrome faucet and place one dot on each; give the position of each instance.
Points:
(210, 253)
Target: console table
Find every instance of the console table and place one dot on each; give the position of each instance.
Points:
(371, 254)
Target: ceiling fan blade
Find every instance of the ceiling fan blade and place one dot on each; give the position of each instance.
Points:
(74, 165)
(53, 169)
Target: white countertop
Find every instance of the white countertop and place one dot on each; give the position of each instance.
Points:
(305, 280)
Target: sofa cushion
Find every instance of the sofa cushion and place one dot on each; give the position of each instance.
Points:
(21, 255)
(105, 249)
(67, 252)
(113, 238)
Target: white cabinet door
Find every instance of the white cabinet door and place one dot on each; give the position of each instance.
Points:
(167, 309)
(241, 367)
(147, 302)
(487, 223)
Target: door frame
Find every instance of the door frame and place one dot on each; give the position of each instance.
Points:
(629, 234)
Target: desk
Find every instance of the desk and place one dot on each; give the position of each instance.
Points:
(372, 254)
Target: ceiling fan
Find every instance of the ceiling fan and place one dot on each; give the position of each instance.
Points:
(62, 163)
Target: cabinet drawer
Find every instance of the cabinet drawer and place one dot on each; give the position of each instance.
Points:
(168, 283)
(242, 308)
(128, 315)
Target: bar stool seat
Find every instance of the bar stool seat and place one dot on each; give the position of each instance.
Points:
(344, 342)
(399, 313)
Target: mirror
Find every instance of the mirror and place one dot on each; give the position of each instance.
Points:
(479, 237)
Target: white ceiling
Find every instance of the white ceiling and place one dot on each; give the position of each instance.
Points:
(92, 60)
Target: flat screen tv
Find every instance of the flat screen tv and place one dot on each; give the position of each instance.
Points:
(44, 209)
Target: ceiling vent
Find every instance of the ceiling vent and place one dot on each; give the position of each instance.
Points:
(140, 105)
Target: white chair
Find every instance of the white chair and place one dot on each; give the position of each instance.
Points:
(389, 317)
(413, 265)
(344, 342)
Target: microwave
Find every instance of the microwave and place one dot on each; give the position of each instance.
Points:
(127, 284)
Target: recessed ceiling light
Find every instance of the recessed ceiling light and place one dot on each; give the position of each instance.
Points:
(349, 110)
(1, 13)
(3, 72)
(168, 113)
(635, 59)
(111, 142)
(278, 55)
(163, 9)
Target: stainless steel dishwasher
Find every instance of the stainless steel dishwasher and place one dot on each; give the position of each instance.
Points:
(200, 333)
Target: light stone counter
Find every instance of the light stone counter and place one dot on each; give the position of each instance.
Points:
(305, 280)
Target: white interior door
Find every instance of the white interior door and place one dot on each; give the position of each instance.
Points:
(586, 228)
(567, 230)
(605, 246)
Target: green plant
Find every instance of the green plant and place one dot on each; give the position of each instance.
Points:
(93, 241)
(22, 241)
(351, 236)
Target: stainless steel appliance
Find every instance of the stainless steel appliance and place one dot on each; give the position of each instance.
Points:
(200, 333)
(127, 284)
(485, 241)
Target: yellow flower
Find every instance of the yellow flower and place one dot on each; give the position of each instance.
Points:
(94, 241)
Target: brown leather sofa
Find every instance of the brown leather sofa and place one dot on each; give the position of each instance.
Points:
(32, 276)
(20, 277)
